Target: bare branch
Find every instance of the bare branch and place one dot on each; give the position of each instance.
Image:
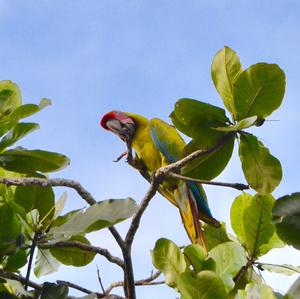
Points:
(23, 280)
(30, 181)
(137, 217)
(237, 186)
(142, 282)
(86, 247)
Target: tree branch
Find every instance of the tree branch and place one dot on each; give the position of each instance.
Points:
(86, 247)
(196, 154)
(237, 186)
(33, 181)
(125, 245)
(23, 280)
(142, 282)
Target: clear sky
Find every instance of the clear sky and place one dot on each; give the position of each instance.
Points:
(94, 56)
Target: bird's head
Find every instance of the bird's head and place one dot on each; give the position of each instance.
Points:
(122, 125)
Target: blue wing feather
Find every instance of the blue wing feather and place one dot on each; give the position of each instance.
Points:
(164, 147)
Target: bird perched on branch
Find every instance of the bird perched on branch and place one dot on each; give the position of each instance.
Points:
(158, 144)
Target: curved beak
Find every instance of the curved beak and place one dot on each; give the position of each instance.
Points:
(125, 131)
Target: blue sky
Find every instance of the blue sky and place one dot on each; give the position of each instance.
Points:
(94, 56)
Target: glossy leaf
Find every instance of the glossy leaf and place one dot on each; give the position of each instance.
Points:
(16, 261)
(210, 165)
(251, 221)
(215, 236)
(281, 269)
(36, 197)
(203, 285)
(242, 124)
(9, 121)
(274, 242)
(103, 214)
(60, 204)
(286, 217)
(230, 257)
(195, 118)
(254, 290)
(196, 255)
(10, 229)
(258, 90)
(10, 97)
(225, 69)
(54, 291)
(15, 134)
(45, 263)
(18, 288)
(167, 258)
(30, 161)
(73, 256)
(262, 171)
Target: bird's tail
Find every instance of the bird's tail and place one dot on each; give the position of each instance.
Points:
(187, 205)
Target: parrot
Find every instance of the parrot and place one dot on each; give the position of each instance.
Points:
(158, 144)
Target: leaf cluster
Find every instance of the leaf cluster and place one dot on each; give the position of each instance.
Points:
(232, 268)
(31, 219)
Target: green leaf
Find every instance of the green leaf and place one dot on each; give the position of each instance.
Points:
(36, 197)
(262, 171)
(73, 256)
(196, 119)
(10, 229)
(243, 124)
(258, 90)
(274, 242)
(281, 269)
(30, 161)
(10, 97)
(286, 217)
(251, 221)
(257, 220)
(230, 257)
(210, 165)
(196, 255)
(60, 204)
(16, 261)
(203, 285)
(45, 263)
(18, 288)
(18, 132)
(166, 257)
(54, 291)
(236, 215)
(23, 111)
(225, 69)
(294, 291)
(103, 214)
(215, 236)
(253, 290)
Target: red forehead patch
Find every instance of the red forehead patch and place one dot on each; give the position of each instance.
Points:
(119, 115)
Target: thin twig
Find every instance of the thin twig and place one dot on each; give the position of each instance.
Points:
(29, 266)
(30, 181)
(86, 247)
(142, 282)
(237, 186)
(100, 281)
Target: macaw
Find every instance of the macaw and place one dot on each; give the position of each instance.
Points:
(157, 144)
